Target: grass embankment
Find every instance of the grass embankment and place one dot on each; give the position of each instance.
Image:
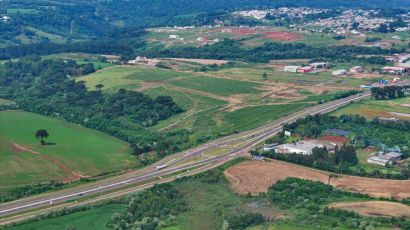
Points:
(82, 150)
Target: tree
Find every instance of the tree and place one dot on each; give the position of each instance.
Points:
(41, 134)
(265, 76)
(99, 86)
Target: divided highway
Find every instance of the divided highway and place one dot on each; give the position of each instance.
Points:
(239, 143)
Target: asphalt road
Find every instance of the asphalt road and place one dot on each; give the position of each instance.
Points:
(245, 140)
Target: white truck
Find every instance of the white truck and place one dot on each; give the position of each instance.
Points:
(159, 167)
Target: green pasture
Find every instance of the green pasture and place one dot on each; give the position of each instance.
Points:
(83, 150)
(218, 86)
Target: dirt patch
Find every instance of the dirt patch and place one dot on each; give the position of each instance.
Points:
(73, 175)
(281, 91)
(282, 36)
(200, 61)
(255, 177)
(375, 208)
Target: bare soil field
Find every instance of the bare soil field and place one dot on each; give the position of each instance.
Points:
(256, 176)
(200, 61)
(375, 208)
(283, 36)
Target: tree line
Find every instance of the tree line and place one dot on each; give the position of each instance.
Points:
(389, 92)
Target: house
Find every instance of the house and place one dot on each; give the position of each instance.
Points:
(305, 69)
(357, 69)
(339, 72)
(394, 155)
(300, 147)
(380, 160)
(291, 68)
(320, 65)
(173, 36)
(394, 70)
(269, 147)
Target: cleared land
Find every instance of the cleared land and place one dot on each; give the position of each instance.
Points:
(255, 177)
(84, 151)
(375, 208)
(397, 108)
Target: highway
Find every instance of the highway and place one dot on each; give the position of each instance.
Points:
(187, 160)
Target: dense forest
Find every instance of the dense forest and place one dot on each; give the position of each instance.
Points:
(48, 87)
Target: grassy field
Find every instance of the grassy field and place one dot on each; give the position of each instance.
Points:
(96, 218)
(397, 108)
(218, 86)
(85, 151)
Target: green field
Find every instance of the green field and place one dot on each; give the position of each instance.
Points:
(397, 108)
(85, 151)
(94, 219)
(218, 86)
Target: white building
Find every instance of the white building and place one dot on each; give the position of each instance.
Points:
(382, 160)
(291, 68)
(339, 72)
(269, 147)
(301, 147)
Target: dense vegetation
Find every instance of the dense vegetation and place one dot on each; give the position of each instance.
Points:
(232, 50)
(29, 190)
(338, 161)
(310, 198)
(389, 92)
(48, 87)
(150, 209)
(383, 135)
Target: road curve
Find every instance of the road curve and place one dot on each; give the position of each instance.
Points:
(251, 138)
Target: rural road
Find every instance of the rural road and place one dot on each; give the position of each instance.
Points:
(239, 143)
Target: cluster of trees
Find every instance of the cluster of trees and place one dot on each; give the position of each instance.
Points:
(245, 220)
(121, 42)
(150, 209)
(48, 87)
(232, 50)
(389, 92)
(29, 190)
(338, 161)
